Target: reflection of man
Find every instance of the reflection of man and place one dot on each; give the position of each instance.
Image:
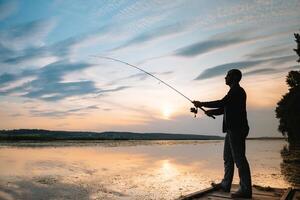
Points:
(235, 124)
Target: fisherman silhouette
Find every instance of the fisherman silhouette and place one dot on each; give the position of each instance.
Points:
(235, 125)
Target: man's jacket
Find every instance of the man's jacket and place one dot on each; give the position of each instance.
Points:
(233, 106)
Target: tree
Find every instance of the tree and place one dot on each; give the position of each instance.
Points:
(297, 36)
(288, 108)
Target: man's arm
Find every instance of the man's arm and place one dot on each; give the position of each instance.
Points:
(219, 111)
(216, 104)
(212, 104)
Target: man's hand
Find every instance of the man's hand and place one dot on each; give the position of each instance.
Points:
(197, 104)
(209, 113)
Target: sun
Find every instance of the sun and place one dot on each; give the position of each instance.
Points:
(167, 111)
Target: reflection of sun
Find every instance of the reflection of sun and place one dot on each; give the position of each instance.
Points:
(166, 112)
(168, 170)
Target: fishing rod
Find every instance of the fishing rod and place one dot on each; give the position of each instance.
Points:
(194, 110)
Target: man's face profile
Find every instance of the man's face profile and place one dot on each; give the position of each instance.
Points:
(228, 78)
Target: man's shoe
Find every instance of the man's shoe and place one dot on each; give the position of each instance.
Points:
(241, 194)
(219, 186)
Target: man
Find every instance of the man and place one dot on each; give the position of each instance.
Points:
(235, 124)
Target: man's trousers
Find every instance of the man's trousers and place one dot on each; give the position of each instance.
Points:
(234, 153)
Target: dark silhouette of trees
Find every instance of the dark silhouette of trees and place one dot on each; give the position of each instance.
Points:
(288, 108)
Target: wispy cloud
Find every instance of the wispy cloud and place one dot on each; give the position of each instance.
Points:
(226, 14)
(206, 46)
(23, 46)
(294, 67)
(222, 69)
(138, 76)
(153, 34)
(260, 71)
(23, 50)
(6, 78)
(228, 39)
(27, 35)
(64, 113)
(49, 85)
(270, 51)
(264, 13)
(7, 8)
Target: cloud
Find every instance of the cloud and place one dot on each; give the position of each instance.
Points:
(5, 52)
(261, 13)
(21, 54)
(297, 67)
(206, 46)
(281, 60)
(26, 35)
(222, 69)
(113, 90)
(6, 78)
(138, 76)
(224, 40)
(270, 51)
(260, 71)
(55, 91)
(60, 50)
(16, 115)
(153, 34)
(49, 85)
(60, 113)
(225, 14)
(24, 46)
(31, 55)
(7, 8)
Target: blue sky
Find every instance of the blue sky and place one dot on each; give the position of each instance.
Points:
(50, 79)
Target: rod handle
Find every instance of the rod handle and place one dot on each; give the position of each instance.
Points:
(206, 114)
(212, 116)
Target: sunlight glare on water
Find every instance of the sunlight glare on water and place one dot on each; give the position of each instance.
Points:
(168, 170)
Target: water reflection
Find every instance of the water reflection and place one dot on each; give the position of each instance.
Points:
(290, 166)
(168, 170)
(125, 170)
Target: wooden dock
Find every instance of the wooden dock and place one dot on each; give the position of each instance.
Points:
(258, 193)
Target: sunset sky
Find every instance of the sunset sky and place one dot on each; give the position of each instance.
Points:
(51, 79)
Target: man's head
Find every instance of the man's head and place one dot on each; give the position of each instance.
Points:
(233, 76)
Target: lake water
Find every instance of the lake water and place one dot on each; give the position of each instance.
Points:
(126, 169)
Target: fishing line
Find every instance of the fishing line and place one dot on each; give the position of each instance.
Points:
(148, 73)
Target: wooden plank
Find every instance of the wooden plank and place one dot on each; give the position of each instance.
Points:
(287, 193)
(259, 190)
(269, 191)
(271, 194)
(226, 198)
(197, 194)
(296, 195)
(214, 198)
(220, 194)
(254, 196)
(265, 197)
(258, 193)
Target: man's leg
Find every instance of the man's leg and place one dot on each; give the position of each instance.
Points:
(237, 142)
(228, 164)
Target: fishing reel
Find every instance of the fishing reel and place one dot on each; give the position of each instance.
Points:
(194, 110)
